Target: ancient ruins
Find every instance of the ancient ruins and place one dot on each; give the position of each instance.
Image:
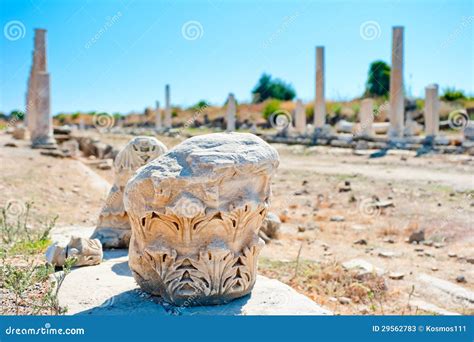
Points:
(38, 97)
(185, 227)
(195, 214)
(113, 228)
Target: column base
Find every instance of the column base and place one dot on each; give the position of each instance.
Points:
(46, 142)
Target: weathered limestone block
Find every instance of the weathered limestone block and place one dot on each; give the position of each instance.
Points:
(87, 252)
(113, 228)
(19, 133)
(196, 213)
(270, 227)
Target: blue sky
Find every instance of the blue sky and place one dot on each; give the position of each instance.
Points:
(118, 55)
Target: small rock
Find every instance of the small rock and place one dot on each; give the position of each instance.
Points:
(104, 166)
(470, 260)
(461, 279)
(396, 275)
(417, 236)
(434, 269)
(438, 245)
(312, 226)
(428, 243)
(358, 227)
(337, 218)
(452, 255)
(360, 242)
(384, 204)
(344, 187)
(428, 254)
(301, 229)
(271, 225)
(10, 144)
(388, 240)
(387, 254)
(344, 300)
(418, 249)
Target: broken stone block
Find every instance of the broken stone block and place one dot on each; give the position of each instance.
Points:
(86, 251)
(196, 213)
(113, 229)
(271, 225)
(417, 236)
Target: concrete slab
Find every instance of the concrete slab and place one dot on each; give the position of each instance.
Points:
(109, 289)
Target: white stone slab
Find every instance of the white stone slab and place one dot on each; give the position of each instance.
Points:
(109, 289)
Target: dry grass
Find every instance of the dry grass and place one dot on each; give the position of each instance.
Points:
(327, 282)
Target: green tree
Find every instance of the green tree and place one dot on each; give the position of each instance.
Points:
(17, 114)
(267, 88)
(378, 79)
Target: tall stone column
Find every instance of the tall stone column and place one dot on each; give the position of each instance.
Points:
(167, 107)
(40, 122)
(431, 110)
(158, 125)
(231, 113)
(366, 117)
(319, 103)
(397, 104)
(300, 118)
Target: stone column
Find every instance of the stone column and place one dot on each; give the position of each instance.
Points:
(397, 109)
(319, 103)
(158, 125)
(431, 110)
(168, 107)
(300, 118)
(366, 117)
(39, 120)
(231, 112)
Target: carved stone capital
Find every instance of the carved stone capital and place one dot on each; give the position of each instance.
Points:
(195, 214)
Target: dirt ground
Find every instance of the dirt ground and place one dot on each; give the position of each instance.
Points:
(324, 197)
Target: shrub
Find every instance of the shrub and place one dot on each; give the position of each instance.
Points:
(271, 107)
(451, 94)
